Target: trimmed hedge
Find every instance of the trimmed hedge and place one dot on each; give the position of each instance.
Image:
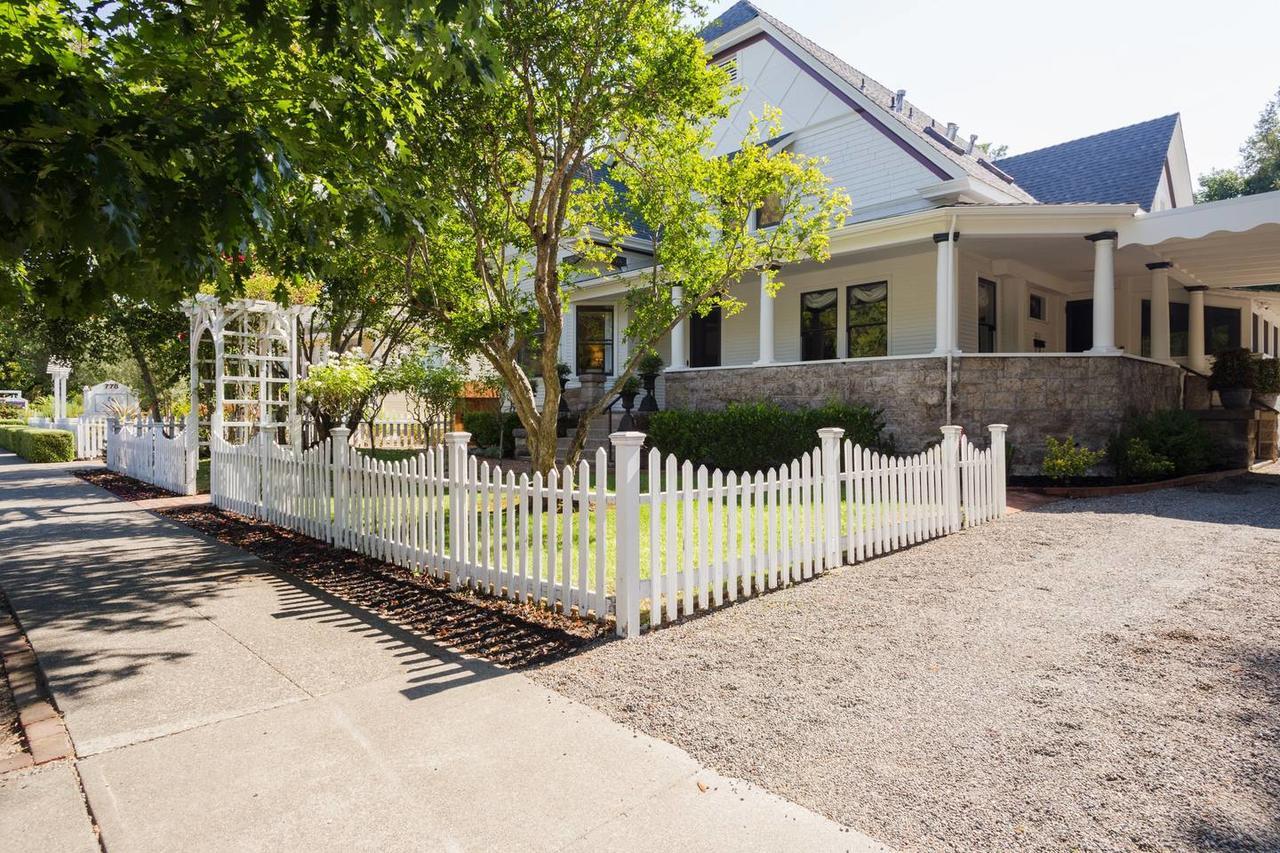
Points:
(1163, 444)
(757, 436)
(39, 445)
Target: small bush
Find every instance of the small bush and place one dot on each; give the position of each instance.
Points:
(12, 412)
(39, 445)
(1267, 376)
(1065, 459)
(1170, 436)
(757, 436)
(483, 427)
(1233, 368)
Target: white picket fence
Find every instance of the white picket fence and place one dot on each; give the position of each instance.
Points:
(141, 449)
(687, 541)
(400, 434)
(90, 432)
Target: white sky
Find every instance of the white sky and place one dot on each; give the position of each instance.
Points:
(1034, 73)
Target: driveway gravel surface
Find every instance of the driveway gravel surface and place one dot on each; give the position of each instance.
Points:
(1100, 674)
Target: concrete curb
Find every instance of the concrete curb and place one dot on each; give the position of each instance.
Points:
(43, 730)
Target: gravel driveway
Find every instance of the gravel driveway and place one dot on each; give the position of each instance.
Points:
(1099, 674)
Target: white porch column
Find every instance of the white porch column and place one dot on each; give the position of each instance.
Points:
(1160, 310)
(1104, 292)
(1195, 330)
(766, 320)
(945, 334)
(679, 332)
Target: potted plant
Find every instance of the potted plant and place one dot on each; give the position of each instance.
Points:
(649, 368)
(563, 416)
(1233, 377)
(1266, 386)
(627, 394)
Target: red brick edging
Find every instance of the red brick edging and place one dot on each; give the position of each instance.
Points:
(43, 730)
(1132, 488)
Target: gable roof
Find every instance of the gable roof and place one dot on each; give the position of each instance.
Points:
(915, 120)
(1121, 166)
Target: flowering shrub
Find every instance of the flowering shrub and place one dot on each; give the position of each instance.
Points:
(340, 386)
(1064, 459)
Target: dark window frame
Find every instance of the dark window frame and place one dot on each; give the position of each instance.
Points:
(606, 344)
(700, 328)
(850, 325)
(1034, 301)
(811, 337)
(993, 327)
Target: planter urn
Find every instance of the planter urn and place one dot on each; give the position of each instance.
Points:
(1236, 398)
(650, 401)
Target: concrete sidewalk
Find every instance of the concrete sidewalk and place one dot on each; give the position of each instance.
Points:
(218, 705)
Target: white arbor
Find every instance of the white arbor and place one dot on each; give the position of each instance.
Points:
(253, 371)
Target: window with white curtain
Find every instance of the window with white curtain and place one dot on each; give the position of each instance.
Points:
(818, 312)
(868, 319)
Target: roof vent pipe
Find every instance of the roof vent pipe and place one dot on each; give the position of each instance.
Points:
(899, 99)
(973, 143)
(952, 130)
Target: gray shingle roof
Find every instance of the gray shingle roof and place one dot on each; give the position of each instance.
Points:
(914, 118)
(1121, 166)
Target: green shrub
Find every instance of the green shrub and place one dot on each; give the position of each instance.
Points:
(1233, 368)
(12, 412)
(483, 427)
(39, 445)
(757, 436)
(1171, 436)
(1267, 375)
(1065, 459)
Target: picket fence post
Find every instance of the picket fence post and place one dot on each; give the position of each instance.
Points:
(627, 447)
(951, 475)
(830, 438)
(456, 442)
(998, 432)
(339, 440)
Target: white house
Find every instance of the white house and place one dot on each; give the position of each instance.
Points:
(1058, 290)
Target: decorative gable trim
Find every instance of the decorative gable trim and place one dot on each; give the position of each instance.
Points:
(840, 94)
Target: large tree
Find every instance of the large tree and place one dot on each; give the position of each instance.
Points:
(145, 141)
(1259, 169)
(600, 120)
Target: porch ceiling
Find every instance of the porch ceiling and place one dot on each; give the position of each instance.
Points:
(1068, 259)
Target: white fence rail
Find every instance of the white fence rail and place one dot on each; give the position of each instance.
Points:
(90, 432)
(141, 449)
(400, 434)
(686, 541)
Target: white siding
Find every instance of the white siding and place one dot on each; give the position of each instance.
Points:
(911, 281)
(881, 178)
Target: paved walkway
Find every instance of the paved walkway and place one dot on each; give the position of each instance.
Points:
(217, 705)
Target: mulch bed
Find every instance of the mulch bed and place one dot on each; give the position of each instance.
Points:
(513, 635)
(125, 488)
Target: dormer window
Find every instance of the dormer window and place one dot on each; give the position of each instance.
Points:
(769, 213)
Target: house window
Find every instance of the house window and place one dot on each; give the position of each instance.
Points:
(818, 312)
(1258, 343)
(769, 213)
(530, 356)
(595, 339)
(704, 339)
(1221, 328)
(868, 320)
(986, 315)
(1266, 338)
(1037, 307)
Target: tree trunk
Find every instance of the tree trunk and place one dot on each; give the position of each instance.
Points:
(148, 380)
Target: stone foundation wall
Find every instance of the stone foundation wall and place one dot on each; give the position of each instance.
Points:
(1087, 397)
